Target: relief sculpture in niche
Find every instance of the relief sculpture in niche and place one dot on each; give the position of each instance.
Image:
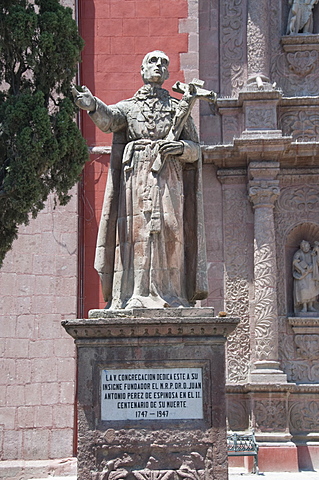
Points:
(294, 72)
(297, 207)
(300, 19)
(306, 278)
(296, 218)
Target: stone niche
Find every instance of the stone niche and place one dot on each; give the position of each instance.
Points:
(303, 231)
(151, 394)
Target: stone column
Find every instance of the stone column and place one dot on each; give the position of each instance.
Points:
(263, 192)
(258, 39)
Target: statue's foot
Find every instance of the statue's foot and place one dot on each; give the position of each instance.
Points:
(151, 301)
(311, 309)
(134, 302)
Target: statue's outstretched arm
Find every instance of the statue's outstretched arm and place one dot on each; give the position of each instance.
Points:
(84, 99)
(107, 118)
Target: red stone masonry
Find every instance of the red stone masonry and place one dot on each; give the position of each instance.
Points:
(117, 34)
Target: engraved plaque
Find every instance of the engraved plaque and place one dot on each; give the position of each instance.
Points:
(152, 394)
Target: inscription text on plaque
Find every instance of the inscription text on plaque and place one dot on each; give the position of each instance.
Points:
(152, 394)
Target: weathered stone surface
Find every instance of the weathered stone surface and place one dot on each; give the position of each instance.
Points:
(151, 448)
(300, 18)
(306, 278)
(151, 243)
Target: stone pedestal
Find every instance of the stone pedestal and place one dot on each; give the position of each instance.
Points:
(151, 394)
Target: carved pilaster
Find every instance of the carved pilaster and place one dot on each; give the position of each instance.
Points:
(263, 192)
(257, 38)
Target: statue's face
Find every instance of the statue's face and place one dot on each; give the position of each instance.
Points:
(155, 67)
(305, 246)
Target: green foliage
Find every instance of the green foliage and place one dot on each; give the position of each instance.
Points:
(41, 148)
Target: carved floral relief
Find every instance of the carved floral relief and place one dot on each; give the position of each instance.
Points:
(302, 63)
(302, 124)
(304, 416)
(307, 346)
(237, 281)
(260, 118)
(270, 415)
(233, 41)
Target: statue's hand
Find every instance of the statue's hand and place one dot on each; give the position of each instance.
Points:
(170, 147)
(84, 99)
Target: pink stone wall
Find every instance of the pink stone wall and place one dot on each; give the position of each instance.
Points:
(117, 35)
(38, 289)
(38, 285)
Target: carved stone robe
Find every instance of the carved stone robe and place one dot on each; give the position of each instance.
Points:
(306, 288)
(301, 16)
(151, 247)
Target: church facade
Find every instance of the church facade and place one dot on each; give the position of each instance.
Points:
(260, 148)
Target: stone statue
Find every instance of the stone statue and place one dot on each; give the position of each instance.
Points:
(306, 277)
(300, 19)
(151, 247)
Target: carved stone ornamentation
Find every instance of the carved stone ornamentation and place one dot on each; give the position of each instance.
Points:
(260, 118)
(237, 281)
(232, 45)
(263, 191)
(258, 38)
(302, 371)
(152, 473)
(304, 416)
(300, 19)
(237, 415)
(263, 194)
(299, 199)
(301, 361)
(306, 278)
(192, 466)
(296, 68)
(302, 124)
(270, 415)
(307, 346)
(113, 469)
(302, 63)
(231, 127)
(265, 306)
(296, 210)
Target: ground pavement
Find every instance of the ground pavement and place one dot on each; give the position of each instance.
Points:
(235, 474)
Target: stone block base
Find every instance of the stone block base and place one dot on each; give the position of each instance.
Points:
(278, 459)
(308, 457)
(151, 394)
(26, 469)
(245, 463)
(270, 459)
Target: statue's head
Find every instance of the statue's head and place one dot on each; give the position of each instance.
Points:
(305, 246)
(154, 67)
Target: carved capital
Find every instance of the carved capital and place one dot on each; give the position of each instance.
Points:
(263, 194)
(263, 187)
